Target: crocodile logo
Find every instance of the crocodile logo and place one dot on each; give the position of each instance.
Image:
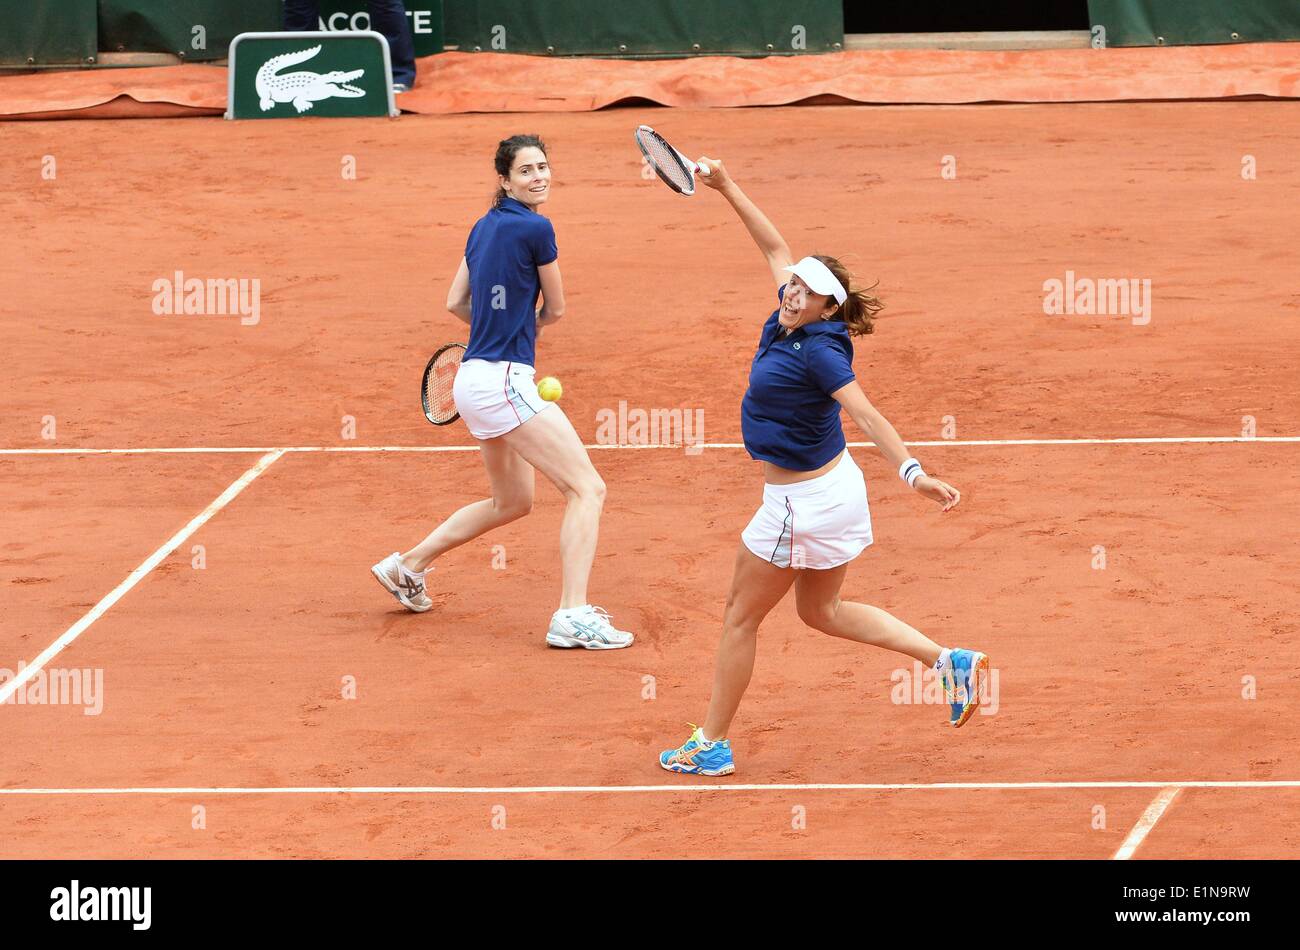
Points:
(303, 88)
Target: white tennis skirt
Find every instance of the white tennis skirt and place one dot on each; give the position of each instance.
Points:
(495, 397)
(819, 523)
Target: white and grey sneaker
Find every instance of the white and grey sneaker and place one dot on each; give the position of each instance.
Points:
(587, 627)
(405, 585)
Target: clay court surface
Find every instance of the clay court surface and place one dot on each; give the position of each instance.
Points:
(223, 686)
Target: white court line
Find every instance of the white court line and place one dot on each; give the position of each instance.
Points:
(141, 451)
(1170, 440)
(1147, 822)
(1171, 788)
(116, 594)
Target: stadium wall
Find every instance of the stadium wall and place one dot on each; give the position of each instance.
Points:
(59, 33)
(71, 32)
(146, 26)
(648, 27)
(1195, 22)
(142, 26)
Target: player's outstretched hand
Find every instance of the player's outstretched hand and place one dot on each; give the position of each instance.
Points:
(719, 178)
(938, 491)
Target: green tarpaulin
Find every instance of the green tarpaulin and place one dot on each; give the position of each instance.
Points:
(647, 27)
(197, 30)
(1193, 22)
(47, 34)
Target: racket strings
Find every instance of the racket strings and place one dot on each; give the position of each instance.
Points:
(440, 381)
(665, 159)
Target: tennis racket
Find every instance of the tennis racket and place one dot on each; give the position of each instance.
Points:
(436, 386)
(673, 168)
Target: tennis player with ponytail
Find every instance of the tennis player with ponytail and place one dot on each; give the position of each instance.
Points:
(510, 260)
(814, 517)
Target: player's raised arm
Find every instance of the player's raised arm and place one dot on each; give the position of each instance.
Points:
(764, 233)
(879, 430)
(458, 295)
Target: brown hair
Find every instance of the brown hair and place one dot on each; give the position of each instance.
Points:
(858, 312)
(504, 160)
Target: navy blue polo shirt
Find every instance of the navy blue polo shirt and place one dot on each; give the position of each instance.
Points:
(788, 417)
(503, 252)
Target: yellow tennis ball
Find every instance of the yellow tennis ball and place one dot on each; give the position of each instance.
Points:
(550, 389)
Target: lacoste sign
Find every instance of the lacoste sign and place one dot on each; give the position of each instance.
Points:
(423, 16)
(285, 75)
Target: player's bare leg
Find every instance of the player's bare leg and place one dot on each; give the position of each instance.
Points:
(549, 443)
(756, 587)
(512, 480)
(817, 595)
(964, 672)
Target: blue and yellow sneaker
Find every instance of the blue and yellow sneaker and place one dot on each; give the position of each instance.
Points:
(965, 681)
(698, 757)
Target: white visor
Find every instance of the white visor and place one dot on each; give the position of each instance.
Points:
(819, 278)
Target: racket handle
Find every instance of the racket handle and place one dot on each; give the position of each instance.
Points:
(705, 170)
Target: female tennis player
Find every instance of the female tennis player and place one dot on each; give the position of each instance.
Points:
(510, 259)
(814, 517)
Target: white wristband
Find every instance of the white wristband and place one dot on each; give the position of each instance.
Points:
(910, 471)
